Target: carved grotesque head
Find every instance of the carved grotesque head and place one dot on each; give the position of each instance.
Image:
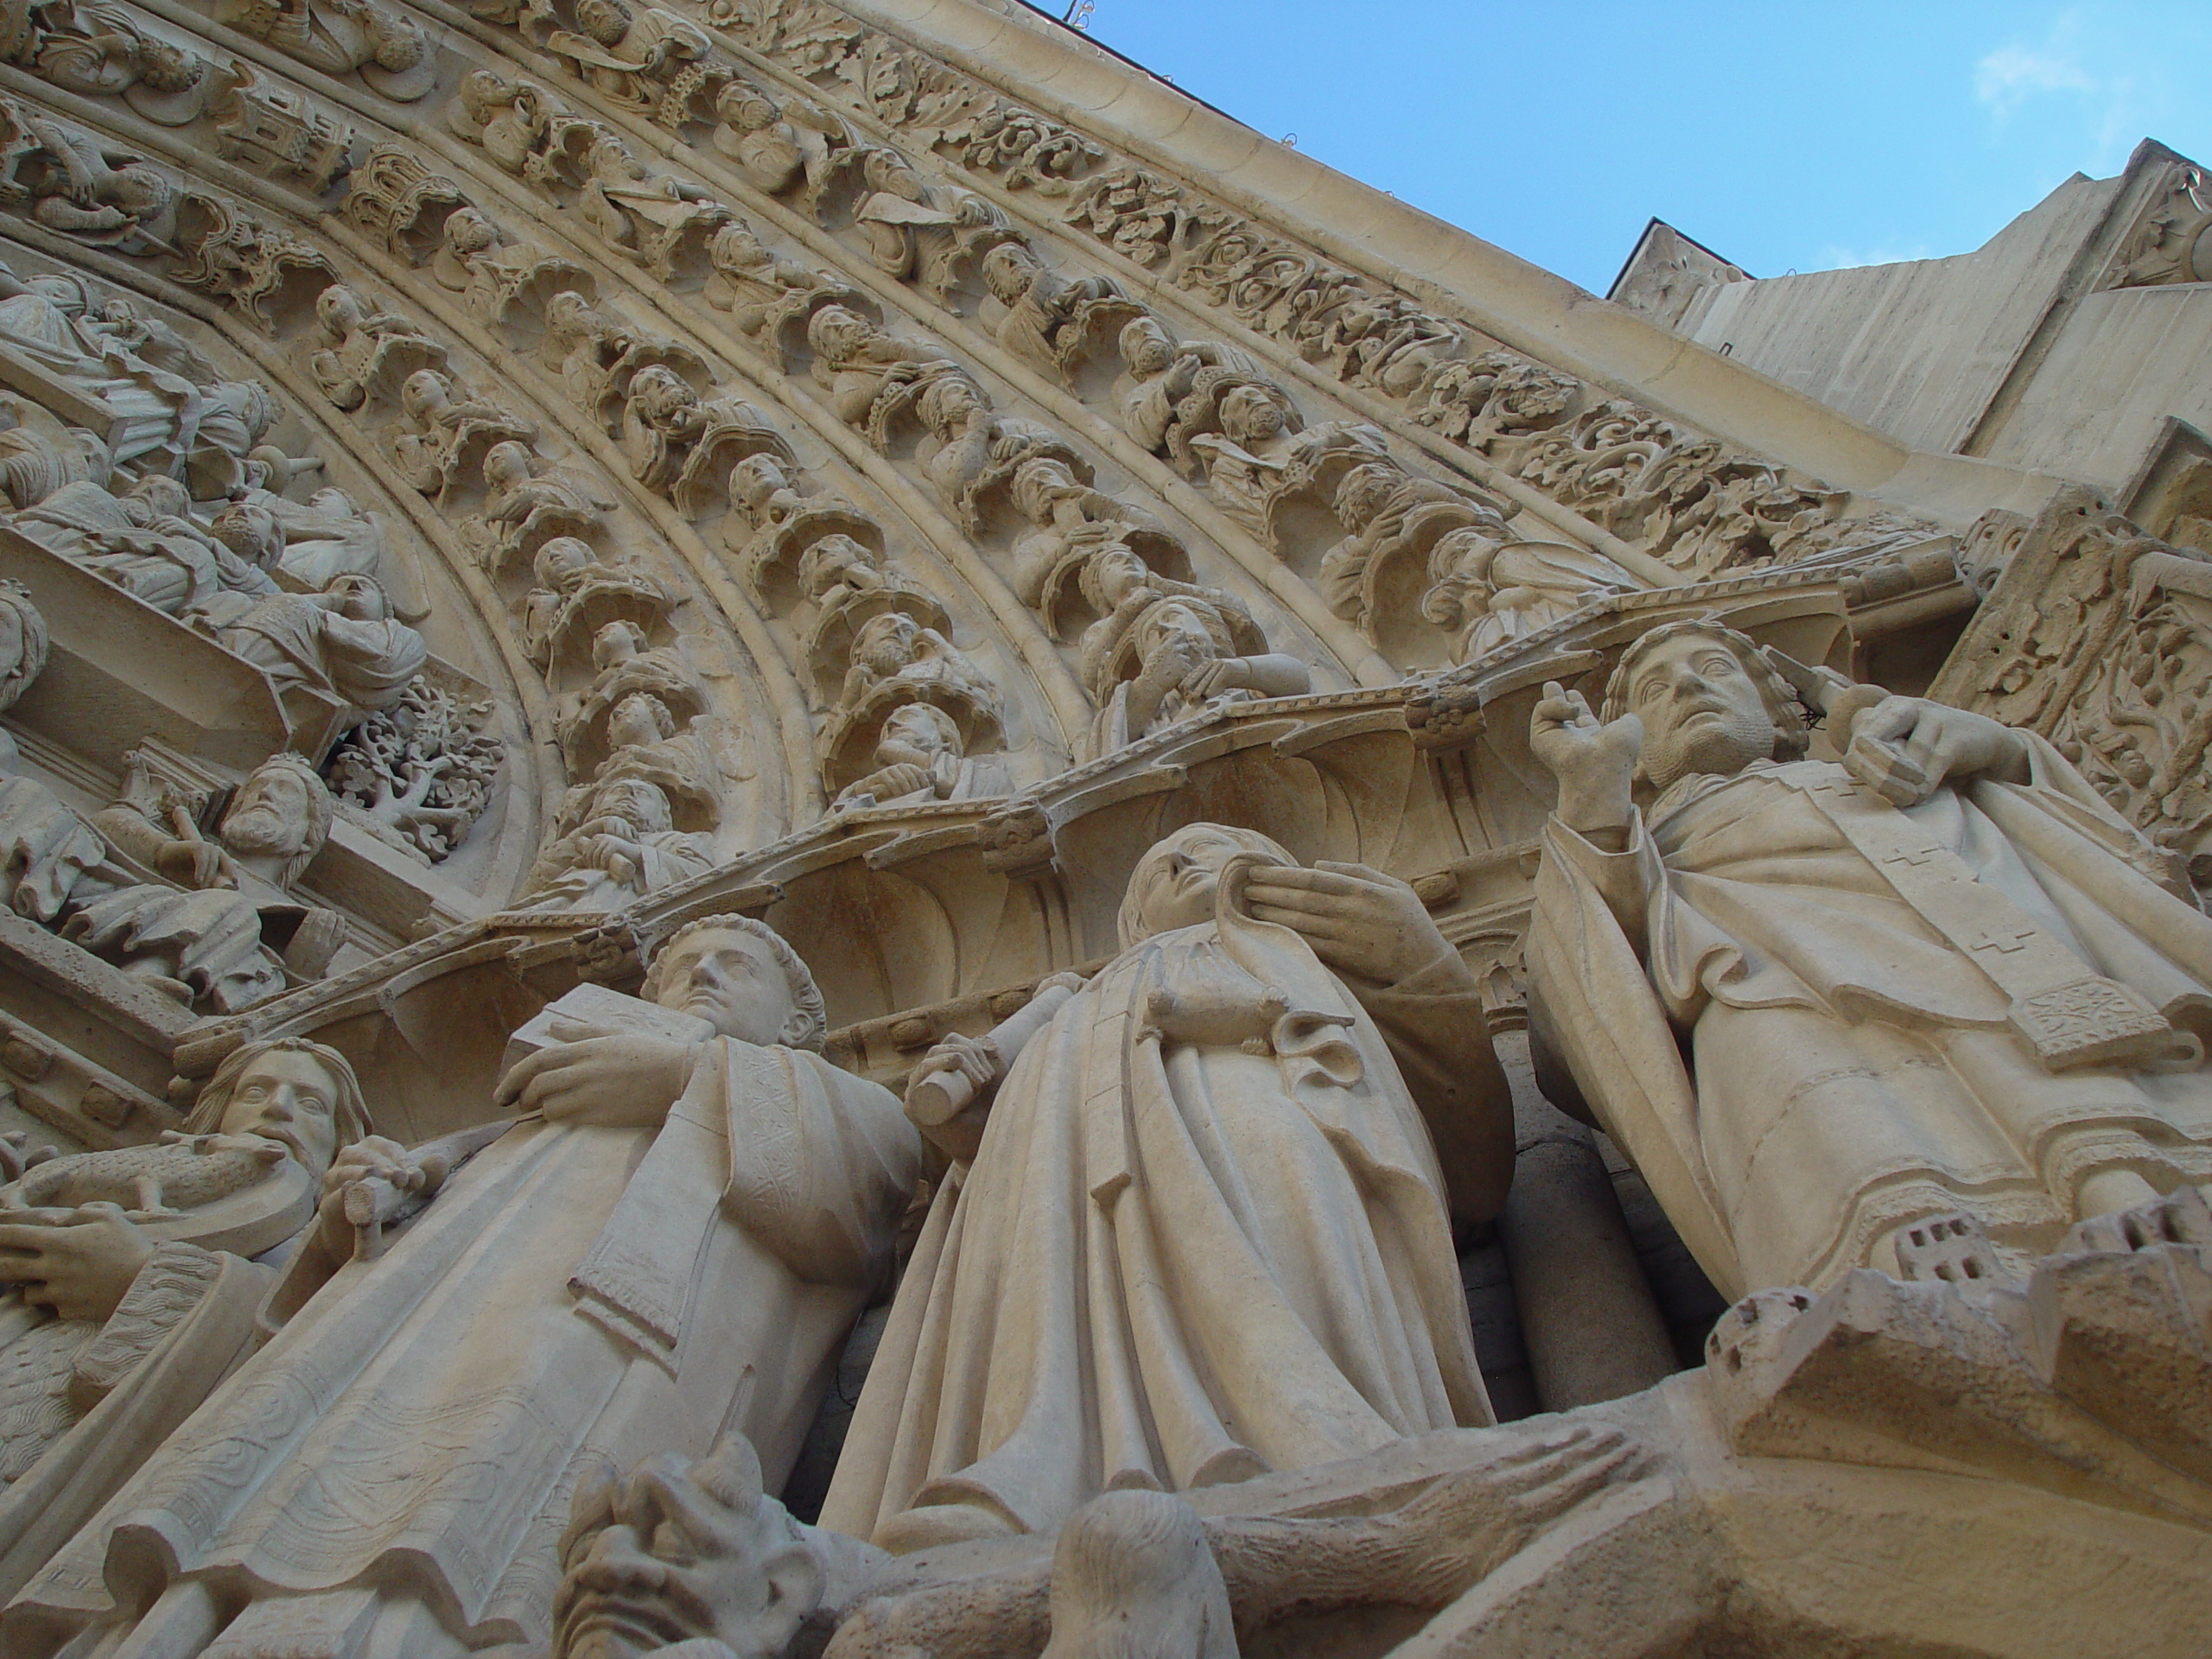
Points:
(1173, 884)
(287, 1089)
(740, 976)
(22, 642)
(280, 816)
(682, 1551)
(1709, 701)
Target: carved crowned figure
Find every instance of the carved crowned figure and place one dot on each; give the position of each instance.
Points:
(1942, 976)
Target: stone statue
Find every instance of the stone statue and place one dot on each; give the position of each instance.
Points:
(578, 594)
(919, 757)
(677, 440)
(326, 537)
(1090, 1308)
(227, 938)
(762, 292)
(671, 1244)
(147, 543)
(802, 147)
(363, 349)
(627, 54)
(1488, 587)
(343, 640)
(655, 220)
(1163, 649)
(1050, 321)
(528, 501)
(124, 1315)
(1070, 520)
(391, 50)
(496, 277)
(1942, 976)
(894, 649)
(914, 232)
(692, 1556)
(1170, 392)
(626, 845)
(863, 368)
(448, 435)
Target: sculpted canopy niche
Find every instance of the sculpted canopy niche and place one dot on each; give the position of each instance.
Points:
(823, 834)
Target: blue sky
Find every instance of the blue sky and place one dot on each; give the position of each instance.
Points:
(1784, 135)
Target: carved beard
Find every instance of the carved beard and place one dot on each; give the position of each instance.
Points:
(1722, 746)
(260, 828)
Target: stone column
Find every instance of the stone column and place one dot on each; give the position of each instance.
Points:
(1592, 1327)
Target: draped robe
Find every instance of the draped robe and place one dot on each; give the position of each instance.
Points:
(1853, 1068)
(1206, 1236)
(574, 1296)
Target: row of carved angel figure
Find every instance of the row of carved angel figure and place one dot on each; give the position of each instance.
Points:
(1692, 504)
(1212, 411)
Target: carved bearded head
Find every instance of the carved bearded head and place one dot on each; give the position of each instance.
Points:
(915, 734)
(1709, 703)
(682, 1551)
(287, 1089)
(280, 816)
(740, 976)
(1146, 348)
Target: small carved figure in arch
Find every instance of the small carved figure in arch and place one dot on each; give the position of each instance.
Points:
(448, 436)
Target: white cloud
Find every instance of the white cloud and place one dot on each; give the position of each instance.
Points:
(2010, 75)
(1836, 257)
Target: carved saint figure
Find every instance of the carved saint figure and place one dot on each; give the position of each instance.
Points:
(1208, 1232)
(448, 435)
(626, 847)
(1049, 320)
(919, 757)
(671, 1241)
(910, 233)
(529, 501)
(1489, 588)
(147, 543)
(894, 648)
(123, 1319)
(627, 53)
(1163, 649)
(364, 348)
(1942, 976)
(228, 936)
(655, 219)
(781, 149)
(1171, 391)
(343, 640)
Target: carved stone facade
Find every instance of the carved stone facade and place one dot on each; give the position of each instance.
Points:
(826, 834)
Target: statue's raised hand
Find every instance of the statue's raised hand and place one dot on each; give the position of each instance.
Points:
(1359, 920)
(1594, 762)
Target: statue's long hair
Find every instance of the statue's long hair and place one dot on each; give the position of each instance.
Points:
(349, 1112)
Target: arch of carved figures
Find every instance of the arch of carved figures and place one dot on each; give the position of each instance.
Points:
(875, 466)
